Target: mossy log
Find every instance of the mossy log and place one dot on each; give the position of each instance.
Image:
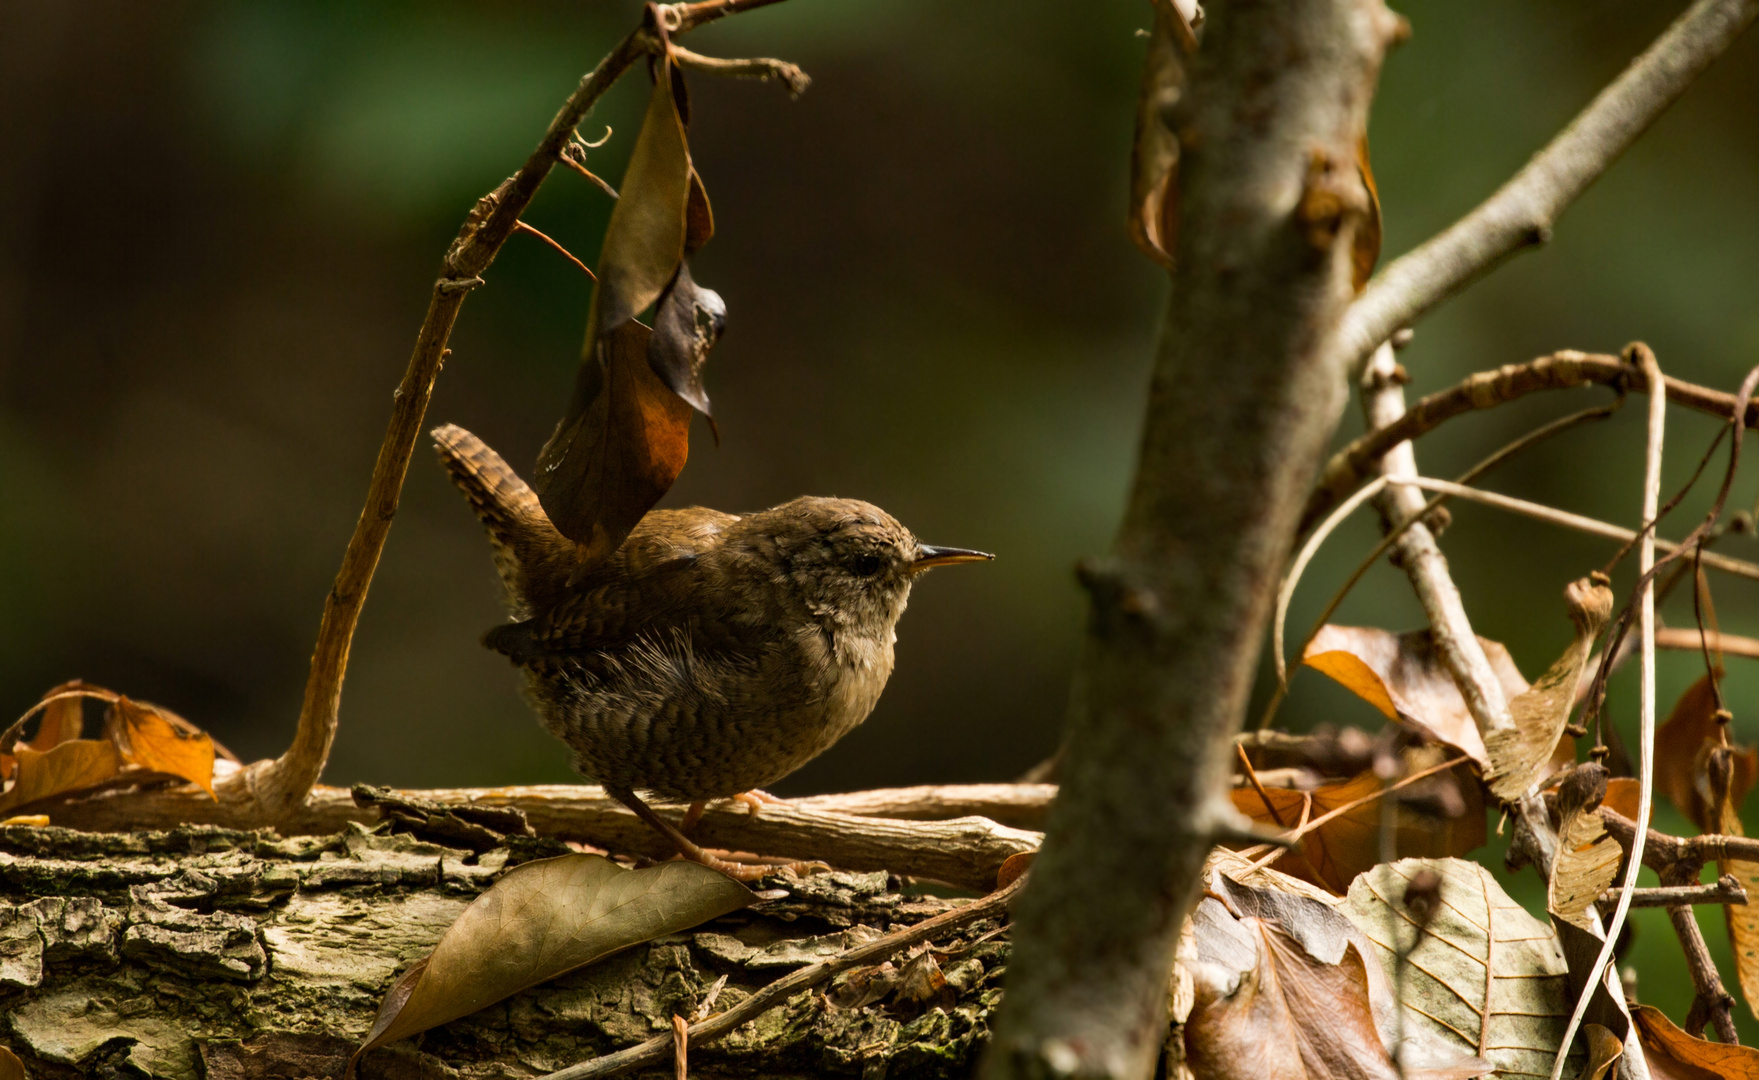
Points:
(202, 952)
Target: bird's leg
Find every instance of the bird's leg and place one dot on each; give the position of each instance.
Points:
(686, 847)
(692, 816)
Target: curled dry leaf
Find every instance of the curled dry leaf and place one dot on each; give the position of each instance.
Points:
(1334, 853)
(1482, 974)
(10, 1067)
(1403, 677)
(1604, 1050)
(1682, 756)
(1673, 1054)
(1587, 857)
(544, 919)
(1517, 756)
(161, 741)
(625, 436)
(72, 766)
(1281, 983)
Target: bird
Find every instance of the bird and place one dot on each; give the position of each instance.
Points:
(711, 654)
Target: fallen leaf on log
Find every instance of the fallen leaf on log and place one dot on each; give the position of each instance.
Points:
(1674, 1054)
(544, 919)
(141, 743)
(1587, 856)
(1516, 1016)
(1335, 852)
(626, 433)
(1403, 677)
(10, 1067)
(1517, 756)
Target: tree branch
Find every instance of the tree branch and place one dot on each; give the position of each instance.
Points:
(1243, 399)
(1563, 370)
(1523, 211)
(966, 851)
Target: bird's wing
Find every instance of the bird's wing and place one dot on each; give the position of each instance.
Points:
(652, 581)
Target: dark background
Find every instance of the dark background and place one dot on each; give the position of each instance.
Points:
(219, 224)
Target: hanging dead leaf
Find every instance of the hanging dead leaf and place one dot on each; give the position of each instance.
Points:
(544, 919)
(159, 740)
(1154, 150)
(1482, 975)
(1518, 756)
(1587, 856)
(625, 435)
(687, 325)
(71, 766)
(1743, 919)
(1403, 677)
(1674, 1054)
(1335, 852)
(1682, 748)
(1621, 796)
(1365, 251)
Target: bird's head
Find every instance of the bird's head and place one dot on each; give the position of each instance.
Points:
(850, 561)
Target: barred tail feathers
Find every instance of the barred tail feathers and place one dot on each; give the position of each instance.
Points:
(528, 550)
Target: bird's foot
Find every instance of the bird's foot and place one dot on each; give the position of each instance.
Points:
(755, 800)
(754, 871)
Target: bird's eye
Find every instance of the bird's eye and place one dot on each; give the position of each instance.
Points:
(867, 565)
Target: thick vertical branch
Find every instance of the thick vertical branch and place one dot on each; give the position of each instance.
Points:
(1242, 404)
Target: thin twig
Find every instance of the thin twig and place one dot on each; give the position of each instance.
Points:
(655, 1050)
(1646, 698)
(1565, 519)
(761, 68)
(572, 161)
(1564, 370)
(1724, 890)
(1669, 637)
(1523, 211)
(566, 254)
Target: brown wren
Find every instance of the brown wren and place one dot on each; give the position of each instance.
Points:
(711, 654)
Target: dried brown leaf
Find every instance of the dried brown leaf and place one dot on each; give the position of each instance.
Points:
(160, 740)
(1587, 856)
(1334, 853)
(625, 435)
(614, 458)
(1292, 1015)
(1403, 677)
(1743, 919)
(1482, 974)
(1673, 1054)
(1154, 150)
(1622, 793)
(71, 766)
(1518, 756)
(1604, 1050)
(1365, 250)
(10, 1067)
(544, 919)
(1682, 749)
(63, 720)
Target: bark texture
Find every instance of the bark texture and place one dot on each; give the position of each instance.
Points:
(202, 952)
(1246, 392)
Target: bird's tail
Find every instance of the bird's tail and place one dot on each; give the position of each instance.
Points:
(529, 553)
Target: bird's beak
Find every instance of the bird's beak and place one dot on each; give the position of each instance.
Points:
(945, 556)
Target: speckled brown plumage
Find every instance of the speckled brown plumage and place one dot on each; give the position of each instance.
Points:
(712, 653)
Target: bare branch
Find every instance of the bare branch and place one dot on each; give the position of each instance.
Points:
(966, 851)
(1524, 210)
(1724, 890)
(760, 68)
(1669, 637)
(1563, 370)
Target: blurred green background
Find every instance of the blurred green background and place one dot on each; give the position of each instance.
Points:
(222, 221)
